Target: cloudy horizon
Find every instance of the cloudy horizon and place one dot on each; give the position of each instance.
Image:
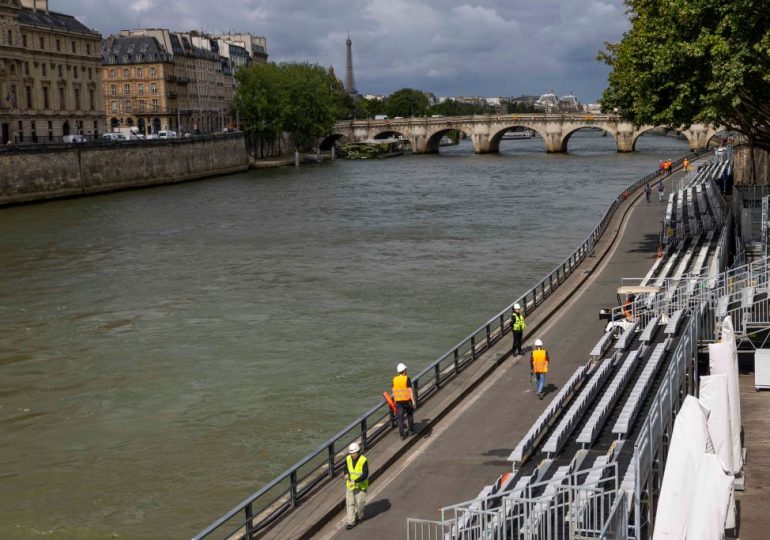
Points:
(448, 47)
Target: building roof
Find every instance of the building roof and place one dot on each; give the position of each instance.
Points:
(133, 50)
(53, 20)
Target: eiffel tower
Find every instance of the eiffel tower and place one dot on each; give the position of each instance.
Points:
(350, 82)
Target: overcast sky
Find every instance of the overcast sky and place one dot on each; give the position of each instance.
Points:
(449, 47)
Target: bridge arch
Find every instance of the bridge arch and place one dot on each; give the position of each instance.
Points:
(497, 137)
(566, 136)
(327, 142)
(388, 134)
(433, 138)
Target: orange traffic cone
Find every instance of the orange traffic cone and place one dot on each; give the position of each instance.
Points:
(660, 251)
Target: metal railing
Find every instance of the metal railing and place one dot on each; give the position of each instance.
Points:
(284, 492)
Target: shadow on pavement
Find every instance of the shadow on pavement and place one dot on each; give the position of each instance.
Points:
(548, 388)
(376, 508)
(648, 244)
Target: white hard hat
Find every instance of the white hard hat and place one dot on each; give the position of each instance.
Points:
(354, 448)
(401, 368)
(538, 342)
(516, 306)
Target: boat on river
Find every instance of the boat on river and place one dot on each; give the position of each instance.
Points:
(516, 135)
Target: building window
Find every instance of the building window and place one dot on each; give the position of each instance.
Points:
(62, 99)
(75, 72)
(153, 88)
(26, 68)
(112, 74)
(33, 126)
(141, 106)
(90, 74)
(113, 89)
(46, 103)
(60, 71)
(140, 72)
(21, 131)
(154, 105)
(58, 45)
(114, 106)
(88, 48)
(127, 106)
(42, 43)
(77, 99)
(125, 73)
(140, 89)
(45, 69)
(10, 37)
(24, 40)
(127, 89)
(91, 104)
(74, 48)
(30, 105)
(153, 72)
(50, 130)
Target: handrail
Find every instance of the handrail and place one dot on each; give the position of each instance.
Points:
(425, 383)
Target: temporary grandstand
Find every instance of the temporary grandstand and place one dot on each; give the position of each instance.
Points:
(591, 466)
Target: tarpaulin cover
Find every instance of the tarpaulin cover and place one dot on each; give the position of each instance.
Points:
(708, 508)
(714, 395)
(689, 441)
(723, 359)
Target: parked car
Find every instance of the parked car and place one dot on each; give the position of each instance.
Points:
(73, 139)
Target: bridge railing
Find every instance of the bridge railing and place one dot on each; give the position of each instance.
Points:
(265, 506)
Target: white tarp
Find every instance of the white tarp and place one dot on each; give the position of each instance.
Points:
(723, 359)
(708, 508)
(714, 395)
(689, 441)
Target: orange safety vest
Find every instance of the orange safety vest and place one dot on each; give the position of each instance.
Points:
(540, 361)
(627, 309)
(400, 389)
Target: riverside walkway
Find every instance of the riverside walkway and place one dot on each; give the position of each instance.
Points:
(467, 431)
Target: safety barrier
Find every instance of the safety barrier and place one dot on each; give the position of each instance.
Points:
(265, 506)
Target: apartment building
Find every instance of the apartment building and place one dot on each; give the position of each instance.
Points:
(50, 73)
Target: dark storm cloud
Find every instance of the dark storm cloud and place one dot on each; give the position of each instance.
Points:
(449, 47)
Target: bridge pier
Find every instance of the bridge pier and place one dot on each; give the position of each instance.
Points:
(554, 141)
(698, 136)
(625, 138)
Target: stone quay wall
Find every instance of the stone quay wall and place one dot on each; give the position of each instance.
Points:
(37, 173)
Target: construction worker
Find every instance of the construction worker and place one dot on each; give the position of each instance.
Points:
(356, 484)
(647, 191)
(661, 191)
(517, 326)
(539, 366)
(628, 307)
(403, 395)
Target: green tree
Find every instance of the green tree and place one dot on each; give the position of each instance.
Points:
(686, 61)
(407, 102)
(260, 100)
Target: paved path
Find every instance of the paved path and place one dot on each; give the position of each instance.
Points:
(468, 449)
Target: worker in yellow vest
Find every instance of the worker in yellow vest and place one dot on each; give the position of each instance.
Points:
(356, 484)
(517, 326)
(403, 395)
(539, 366)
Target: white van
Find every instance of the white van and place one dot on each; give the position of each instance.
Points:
(166, 134)
(380, 116)
(73, 139)
(113, 137)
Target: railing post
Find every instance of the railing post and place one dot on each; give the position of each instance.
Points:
(330, 458)
(473, 347)
(502, 325)
(363, 434)
(437, 371)
(489, 337)
(457, 361)
(416, 390)
(293, 488)
(249, 524)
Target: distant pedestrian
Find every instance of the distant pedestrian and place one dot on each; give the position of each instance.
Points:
(661, 190)
(685, 164)
(517, 326)
(538, 363)
(356, 484)
(403, 395)
(647, 191)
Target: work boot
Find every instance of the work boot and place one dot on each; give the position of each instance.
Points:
(349, 526)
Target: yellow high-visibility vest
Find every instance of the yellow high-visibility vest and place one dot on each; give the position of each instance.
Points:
(518, 322)
(354, 473)
(400, 389)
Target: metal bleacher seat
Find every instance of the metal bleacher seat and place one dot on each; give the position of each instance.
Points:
(648, 334)
(625, 339)
(572, 416)
(601, 346)
(527, 443)
(636, 397)
(602, 410)
(674, 322)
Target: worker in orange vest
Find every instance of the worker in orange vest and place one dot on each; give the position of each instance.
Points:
(685, 163)
(403, 395)
(539, 366)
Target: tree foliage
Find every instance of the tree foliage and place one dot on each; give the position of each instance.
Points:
(302, 99)
(407, 102)
(687, 61)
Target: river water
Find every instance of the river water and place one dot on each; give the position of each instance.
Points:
(164, 352)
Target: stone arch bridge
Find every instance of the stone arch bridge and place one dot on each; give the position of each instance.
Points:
(486, 131)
